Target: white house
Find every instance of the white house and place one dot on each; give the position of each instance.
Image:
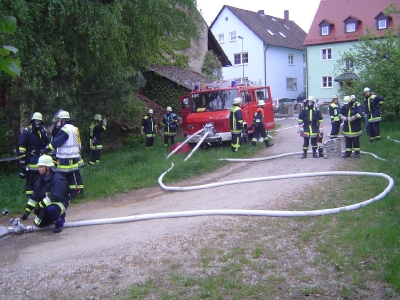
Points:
(263, 49)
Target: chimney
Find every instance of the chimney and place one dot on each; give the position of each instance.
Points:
(261, 13)
(286, 17)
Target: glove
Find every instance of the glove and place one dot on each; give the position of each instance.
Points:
(321, 130)
(25, 216)
(45, 150)
(352, 118)
(301, 129)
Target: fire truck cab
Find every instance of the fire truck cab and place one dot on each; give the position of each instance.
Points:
(209, 108)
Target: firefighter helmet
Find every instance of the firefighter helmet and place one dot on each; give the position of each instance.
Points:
(335, 97)
(169, 108)
(366, 89)
(37, 116)
(260, 102)
(150, 111)
(346, 99)
(353, 97)
(311, 98)
(45, 160)
(97, 117)
(64, 115)
(236, 101)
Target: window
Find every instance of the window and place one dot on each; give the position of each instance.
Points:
(382, 21)
(382, 24)
(232, 35)
(326, 81)
(270, 32)
(348, 63)
(221, 38)
(282, 34)
(291, 59)
(291, 84)
(242, 80)
(326, 54)
(325, 30)
(241, 58)
(350, 27)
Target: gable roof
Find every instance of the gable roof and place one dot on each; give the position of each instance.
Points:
(337, 11)
(217, 49)
(184, 77)
(260, 23)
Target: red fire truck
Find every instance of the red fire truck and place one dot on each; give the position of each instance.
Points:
(209, 108)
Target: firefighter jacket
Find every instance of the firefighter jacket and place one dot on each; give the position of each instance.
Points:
(53, 189)
(371, 106)
(236, 119)
(170, 121)
(96, 130)
(67, 142)
(31, 141)
(353, 113)
(334, 111)
(258, 120)
(311, 120)
(149, 125)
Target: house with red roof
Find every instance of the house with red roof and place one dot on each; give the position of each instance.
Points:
(263, 49)
(336, 28)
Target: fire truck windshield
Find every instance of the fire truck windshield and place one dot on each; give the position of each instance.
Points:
(212, 100)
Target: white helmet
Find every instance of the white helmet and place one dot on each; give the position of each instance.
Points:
(169, 108)
(311, 98)
(353, 97)
(346, 99)
(335, 97)
(260, 102)
(37, 116)
(150, 111)
(237, 100)
(45, 160)
(97, 117)
(366, 89)
(64, 115)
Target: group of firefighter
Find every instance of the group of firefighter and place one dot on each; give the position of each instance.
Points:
(349, 117)
(50, 165)
(310, 120)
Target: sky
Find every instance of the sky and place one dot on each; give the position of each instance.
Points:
(301, 12)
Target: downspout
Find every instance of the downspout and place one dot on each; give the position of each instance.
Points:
(265, 66)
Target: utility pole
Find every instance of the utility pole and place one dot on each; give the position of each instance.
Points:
(242, 57)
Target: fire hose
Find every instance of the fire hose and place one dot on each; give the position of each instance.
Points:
(19, 228)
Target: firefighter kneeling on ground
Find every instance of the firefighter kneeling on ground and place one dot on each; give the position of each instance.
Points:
(50, 198)
(259, 129)
(310, 125)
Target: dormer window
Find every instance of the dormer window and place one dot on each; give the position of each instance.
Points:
(325, 27)
(351, 24)
(382, 21)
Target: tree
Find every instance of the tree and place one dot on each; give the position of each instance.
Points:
(8, 63)
(376, 61)
(212, 66)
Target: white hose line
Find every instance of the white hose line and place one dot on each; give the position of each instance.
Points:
(393, 139)
(183, 143)
(197, 146)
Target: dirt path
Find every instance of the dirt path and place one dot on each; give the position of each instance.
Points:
(81, 262)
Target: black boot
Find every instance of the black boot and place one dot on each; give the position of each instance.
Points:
(314, 153)
(253, 143)
(304, 155)
(268, 144)
(346, 154)
(357, 154)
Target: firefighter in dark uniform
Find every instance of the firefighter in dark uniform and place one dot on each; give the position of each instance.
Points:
(33, 138)
(351, 114)
(67, 143)
(334, 114)
(310, 126)
(259, 128)
(170, 122)
(50, 198)
(149, 128)
(96, 130)
(372, 103)
(236, 123)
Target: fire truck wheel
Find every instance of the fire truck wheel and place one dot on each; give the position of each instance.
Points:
(244, 138)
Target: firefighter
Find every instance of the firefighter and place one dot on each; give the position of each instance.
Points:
(149, 128)
(67, 143)
(170, 122)
(96, 130)
(310, 126)
(372, 103)
(50, 198)
(236, 122)
(33, 138)
(351, 114)
(334, 114)
(259, 129)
